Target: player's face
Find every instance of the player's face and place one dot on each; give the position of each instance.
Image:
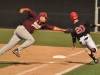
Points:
(43, 19)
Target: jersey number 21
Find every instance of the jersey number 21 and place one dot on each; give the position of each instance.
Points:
(80, 29)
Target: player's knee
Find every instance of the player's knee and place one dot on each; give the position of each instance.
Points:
(94, 50)
(32, 41)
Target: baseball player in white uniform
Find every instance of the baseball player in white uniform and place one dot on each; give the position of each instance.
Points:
(80, 30)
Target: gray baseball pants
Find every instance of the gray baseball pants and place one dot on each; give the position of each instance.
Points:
(20, 33)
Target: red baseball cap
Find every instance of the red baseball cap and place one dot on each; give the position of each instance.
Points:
(44, 14)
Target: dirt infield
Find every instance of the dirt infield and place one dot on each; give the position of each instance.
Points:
(38, 60)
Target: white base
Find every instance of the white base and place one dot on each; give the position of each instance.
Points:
(59, 56)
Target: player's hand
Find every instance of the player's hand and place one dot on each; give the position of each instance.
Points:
(73, 48)
(63, 30)
(97, 25)
(68, 30)
(21, 10)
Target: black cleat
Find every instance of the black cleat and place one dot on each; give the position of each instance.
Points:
(96, 61)
(16, 52)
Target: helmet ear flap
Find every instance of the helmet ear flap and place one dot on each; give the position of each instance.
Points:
(73, 15)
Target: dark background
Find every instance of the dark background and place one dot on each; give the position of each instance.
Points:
(58, 11)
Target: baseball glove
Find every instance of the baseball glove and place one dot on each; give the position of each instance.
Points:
(69, 30)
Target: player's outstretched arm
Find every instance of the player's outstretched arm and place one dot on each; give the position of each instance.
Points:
(97, 25)
(58, 29)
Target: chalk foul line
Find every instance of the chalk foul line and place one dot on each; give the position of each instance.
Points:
(33, 69)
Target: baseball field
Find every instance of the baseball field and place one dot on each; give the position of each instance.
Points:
(38, 59)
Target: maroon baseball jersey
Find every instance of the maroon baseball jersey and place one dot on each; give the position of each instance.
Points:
(33, 23)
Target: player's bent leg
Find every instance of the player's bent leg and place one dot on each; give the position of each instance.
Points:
(93, 50)
(16, 52)
(10, 44)
(92, 56)
(90, 53)
(24, 34)
(91, 45)
(24, 45)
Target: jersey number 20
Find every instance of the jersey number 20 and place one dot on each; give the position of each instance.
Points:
(80, 29)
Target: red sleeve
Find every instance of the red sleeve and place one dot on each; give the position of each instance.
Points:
(49, 27)
(32, 13)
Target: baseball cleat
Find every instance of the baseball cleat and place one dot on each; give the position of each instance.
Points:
(16, 52)
(96, 61)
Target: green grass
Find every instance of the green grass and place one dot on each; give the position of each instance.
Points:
(87, 69)
(50, 38)
(53, 38)
(9, 63)
(46, 38)
(4, 64)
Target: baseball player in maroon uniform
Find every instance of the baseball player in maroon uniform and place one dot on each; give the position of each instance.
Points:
(80, 30)
(24, 31)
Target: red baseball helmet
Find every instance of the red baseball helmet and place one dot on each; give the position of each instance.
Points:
(73, 15)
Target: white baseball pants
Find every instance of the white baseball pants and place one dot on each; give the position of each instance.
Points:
(20, 33)
(88, 42)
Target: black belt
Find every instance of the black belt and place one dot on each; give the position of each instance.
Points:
(85, 38)
(85, 35)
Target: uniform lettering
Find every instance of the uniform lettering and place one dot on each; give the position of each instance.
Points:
(80, 29)
(36, 25)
